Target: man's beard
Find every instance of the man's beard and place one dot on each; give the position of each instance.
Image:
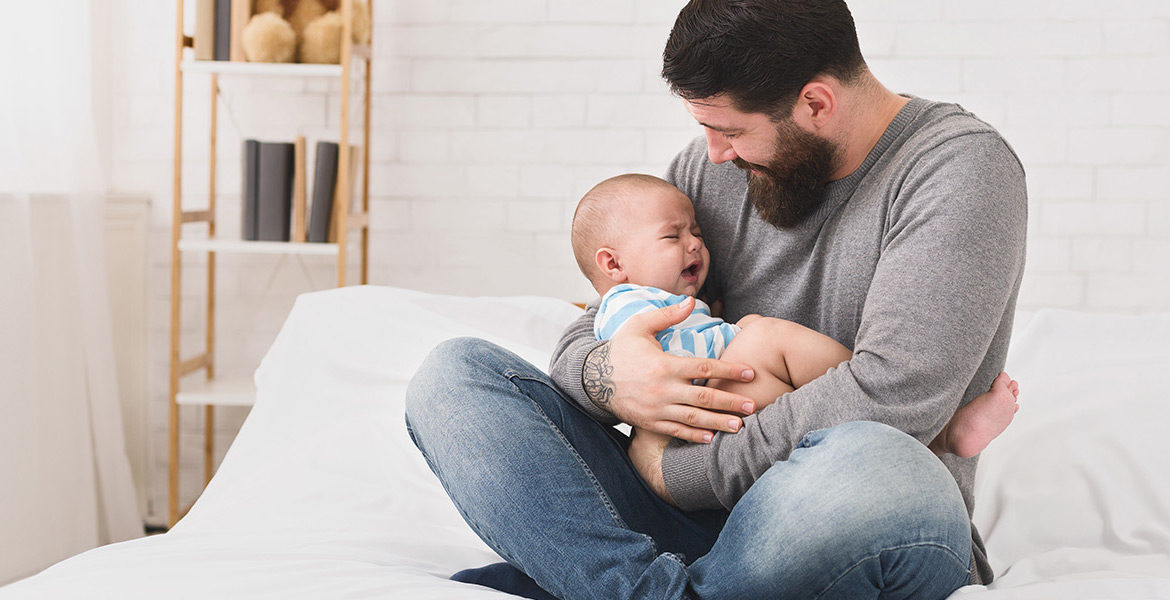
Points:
(792, 185)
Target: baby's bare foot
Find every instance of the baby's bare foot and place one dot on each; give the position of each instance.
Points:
(984, 418)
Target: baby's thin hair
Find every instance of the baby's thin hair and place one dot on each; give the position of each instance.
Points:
(596, 220)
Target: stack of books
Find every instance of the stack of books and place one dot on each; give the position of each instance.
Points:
(274, 199)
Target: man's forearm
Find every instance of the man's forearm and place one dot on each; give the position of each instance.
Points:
(569, 370)
(596, 377)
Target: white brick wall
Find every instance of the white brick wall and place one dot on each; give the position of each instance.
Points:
(491, 117)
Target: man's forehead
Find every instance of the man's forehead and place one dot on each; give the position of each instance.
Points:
(710, 105)
(718, 113)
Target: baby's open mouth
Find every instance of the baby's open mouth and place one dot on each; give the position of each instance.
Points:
(691, 273)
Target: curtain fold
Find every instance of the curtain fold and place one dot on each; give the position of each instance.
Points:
(65, 481)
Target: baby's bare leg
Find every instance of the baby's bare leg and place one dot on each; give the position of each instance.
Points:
(785, 356)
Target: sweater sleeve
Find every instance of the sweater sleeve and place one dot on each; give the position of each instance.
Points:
(951, 261)
(568, 362)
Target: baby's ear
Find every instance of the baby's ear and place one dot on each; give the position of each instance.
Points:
(608, 263)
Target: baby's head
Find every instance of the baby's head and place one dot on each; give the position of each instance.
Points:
(639, 229)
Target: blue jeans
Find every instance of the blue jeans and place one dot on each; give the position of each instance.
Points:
(860, 510)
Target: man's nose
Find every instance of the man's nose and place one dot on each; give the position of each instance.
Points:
(718, 149)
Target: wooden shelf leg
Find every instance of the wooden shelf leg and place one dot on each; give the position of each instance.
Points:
(343, 187)
(366, 162)
(209, 410)
(208, 444)
(176, 264)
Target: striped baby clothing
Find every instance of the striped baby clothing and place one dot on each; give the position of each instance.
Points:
(700, 335)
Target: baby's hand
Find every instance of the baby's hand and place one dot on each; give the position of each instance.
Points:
(747, 320)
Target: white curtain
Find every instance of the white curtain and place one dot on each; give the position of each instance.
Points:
(65, 482)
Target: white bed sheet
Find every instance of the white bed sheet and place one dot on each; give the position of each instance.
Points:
(322, 494)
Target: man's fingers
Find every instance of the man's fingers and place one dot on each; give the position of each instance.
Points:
(654, 321)
(710, 398)
(707, 368)
(678, 430)
(703, 419)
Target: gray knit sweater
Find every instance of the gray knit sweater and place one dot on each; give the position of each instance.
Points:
(914, 261)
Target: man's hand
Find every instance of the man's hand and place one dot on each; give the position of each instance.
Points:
(646, 453)
(632, 377)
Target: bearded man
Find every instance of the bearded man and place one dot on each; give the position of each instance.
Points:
(891, 223)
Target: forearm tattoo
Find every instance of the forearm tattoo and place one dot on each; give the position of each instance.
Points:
(597, 375)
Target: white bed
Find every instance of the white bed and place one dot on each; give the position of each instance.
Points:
(322, 495)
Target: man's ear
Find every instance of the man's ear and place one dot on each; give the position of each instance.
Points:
(609, 264)
(817, 103)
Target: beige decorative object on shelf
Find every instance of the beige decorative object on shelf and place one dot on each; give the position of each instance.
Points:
(303, 12)
(321, 39)
(316, 26)
(269, 38)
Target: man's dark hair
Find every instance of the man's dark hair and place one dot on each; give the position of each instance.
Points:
(759, 52)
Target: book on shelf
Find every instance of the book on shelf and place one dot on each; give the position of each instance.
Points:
(267, 196)
(275, 183)
(205, 30)
(250, 196)
(326, 203)
(324, 185)
(223, 30)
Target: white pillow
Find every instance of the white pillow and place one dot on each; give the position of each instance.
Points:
(388, 331)
(1078, 483)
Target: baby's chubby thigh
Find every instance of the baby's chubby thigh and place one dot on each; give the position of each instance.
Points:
(758, 345)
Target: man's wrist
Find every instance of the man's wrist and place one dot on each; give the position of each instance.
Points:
(684, 476)
(658, 483)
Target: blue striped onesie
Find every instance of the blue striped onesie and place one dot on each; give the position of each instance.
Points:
(700, 335)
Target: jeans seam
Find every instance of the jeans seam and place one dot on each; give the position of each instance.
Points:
(948, 550)
(671, 556)
(510, 374)
(597, 485)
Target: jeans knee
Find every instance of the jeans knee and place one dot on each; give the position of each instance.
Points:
(448, 365)
(888, 480)
(847, 494)
(922, 495)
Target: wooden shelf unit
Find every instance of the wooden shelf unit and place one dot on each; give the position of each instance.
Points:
(250, 247)
(209, 391)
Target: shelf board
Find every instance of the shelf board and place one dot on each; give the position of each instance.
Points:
(218, 392)
(246, 247)
(226, 67)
